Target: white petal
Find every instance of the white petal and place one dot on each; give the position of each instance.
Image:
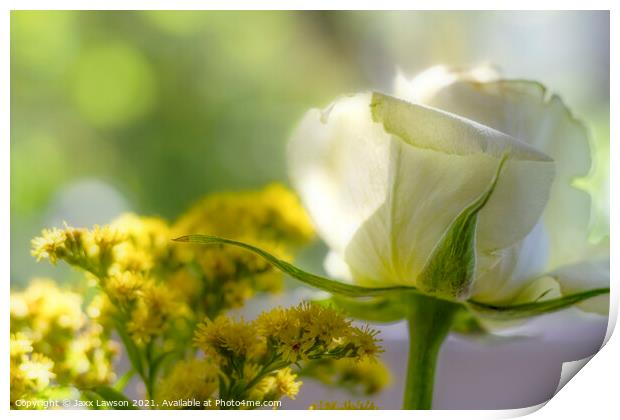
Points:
(586, 276)
(527, 111)
(501, 274)
(383, 201)
(336, 268)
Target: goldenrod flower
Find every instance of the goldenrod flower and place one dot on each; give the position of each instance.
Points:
(50, 245)
(156, 305)
(225, 339)
(273, 213)
(286, 384)
(124, 288)
(90, 250)
(38, 370)
(49, 321)
(366, 376)
(310, 331)
(20, 345)
(30, 372)
(43, 307)
(146, 245)
(189, 379)
(271, 218)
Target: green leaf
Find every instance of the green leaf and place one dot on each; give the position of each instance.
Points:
(124, 380)
(525, 310)
(500, 312)
(310, 279)
(464, 322)
(92, 396)
(116, 399)
(449, 272)
(375, 310)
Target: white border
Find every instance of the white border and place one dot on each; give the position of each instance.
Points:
(593, 394)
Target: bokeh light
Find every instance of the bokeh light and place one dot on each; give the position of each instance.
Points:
(113, 85)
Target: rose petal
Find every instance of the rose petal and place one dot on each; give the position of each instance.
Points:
(382, 201)
(524, 110)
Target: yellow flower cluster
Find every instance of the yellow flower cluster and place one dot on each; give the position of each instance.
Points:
(310, 331)
(282, 383)
(126, 257)
(150, 306)
(260, 353)
(152, 291)
(52, 321)
(366, 376)
(195, 379)
(273, 213)
(271, 218)
(146, 246)
(91, 250)
(31, 373)
(133, 255)
(347, 405)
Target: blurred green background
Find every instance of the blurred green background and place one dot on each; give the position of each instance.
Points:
(148, 111)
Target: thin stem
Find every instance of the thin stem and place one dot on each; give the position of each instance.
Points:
(429, 321)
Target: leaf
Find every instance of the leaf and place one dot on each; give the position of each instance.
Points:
(122, 382)
(525, 310)
(375, 310)
(464, 322)
(449, 272)
(93, 397)
(501, 312)
(113, 396)
(310, 279)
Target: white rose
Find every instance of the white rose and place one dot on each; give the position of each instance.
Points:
(384, 178)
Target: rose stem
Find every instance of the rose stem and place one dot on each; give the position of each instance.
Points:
(429, 321)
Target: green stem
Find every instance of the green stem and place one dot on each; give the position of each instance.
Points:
(429, 321)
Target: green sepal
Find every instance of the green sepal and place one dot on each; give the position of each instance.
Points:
(449, 273)
(526, 310)
(323, 283)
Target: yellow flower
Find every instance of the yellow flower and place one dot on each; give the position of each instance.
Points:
(30, 373)
(366, 376)
(89, 358)
(189, 379)
(281, 383)
(90, 250)
(37, 370)
(124, 288)
(271, 213)
(20, 345)
(224, 338)
(50, 245)
(156, 305)
(186, 283)
(235, 294)
(49, 321)
(286, 384)
(147, 242)
(310, 330)
(44, 307)
(347, 405)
